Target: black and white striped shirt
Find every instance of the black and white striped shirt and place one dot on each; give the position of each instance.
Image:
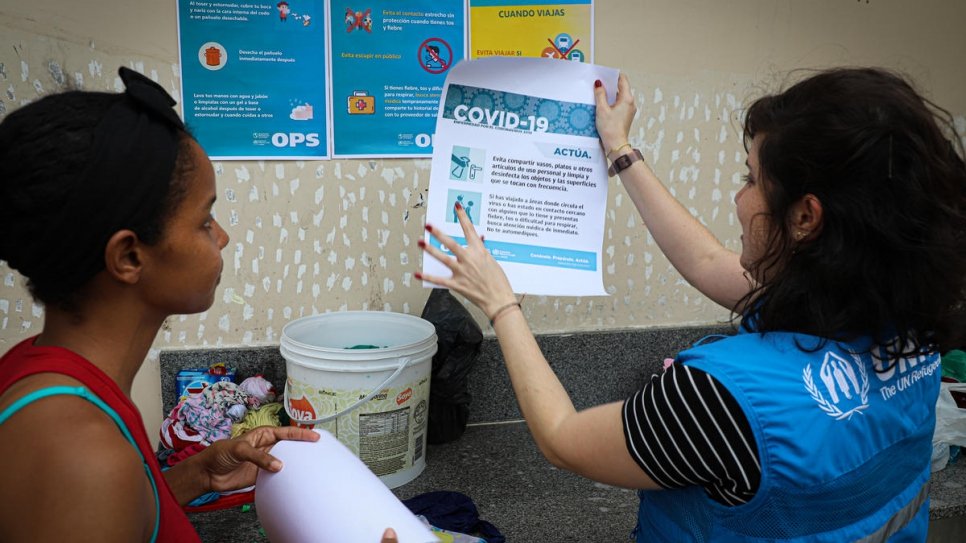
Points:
(685, 429)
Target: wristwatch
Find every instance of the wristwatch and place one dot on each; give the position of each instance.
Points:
(622, 162)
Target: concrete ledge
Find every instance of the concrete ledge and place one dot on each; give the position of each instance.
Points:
(594, 367)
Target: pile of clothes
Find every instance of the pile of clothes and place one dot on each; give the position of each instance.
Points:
(221, 411)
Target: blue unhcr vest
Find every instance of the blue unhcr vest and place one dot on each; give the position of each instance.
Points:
(844, 450)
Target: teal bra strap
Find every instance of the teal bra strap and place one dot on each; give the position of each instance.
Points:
(91, 397)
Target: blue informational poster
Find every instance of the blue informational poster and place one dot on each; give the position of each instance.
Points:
(253, 77)
(389, 63)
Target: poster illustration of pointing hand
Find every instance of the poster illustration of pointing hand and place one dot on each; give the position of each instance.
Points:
(516, 145)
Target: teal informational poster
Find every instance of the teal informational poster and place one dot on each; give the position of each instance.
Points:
(389, 62)
(253, 77)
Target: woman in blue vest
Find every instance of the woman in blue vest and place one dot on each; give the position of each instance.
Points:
(814, 421)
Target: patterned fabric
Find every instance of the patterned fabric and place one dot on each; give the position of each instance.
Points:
(258, 388)
(207, 416)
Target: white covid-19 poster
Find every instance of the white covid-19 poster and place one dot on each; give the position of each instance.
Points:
(516, 145)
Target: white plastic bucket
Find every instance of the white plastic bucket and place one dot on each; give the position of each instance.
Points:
(373, 400)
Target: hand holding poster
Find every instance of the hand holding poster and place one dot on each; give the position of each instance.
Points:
(516, 145)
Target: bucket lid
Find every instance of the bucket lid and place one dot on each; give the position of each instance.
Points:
(329, 339)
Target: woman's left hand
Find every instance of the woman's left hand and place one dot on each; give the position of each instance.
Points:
(231, 464)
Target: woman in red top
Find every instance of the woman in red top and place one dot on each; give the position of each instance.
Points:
(107, 212)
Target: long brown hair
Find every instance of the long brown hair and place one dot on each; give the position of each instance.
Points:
(890, 260)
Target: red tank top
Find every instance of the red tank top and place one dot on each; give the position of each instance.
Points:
(26, 359)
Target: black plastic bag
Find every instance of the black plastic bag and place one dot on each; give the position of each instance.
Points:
(458, 344)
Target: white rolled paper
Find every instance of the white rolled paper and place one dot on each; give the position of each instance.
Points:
(325, 494)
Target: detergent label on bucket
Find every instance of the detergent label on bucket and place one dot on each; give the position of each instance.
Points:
(384, 440)
(387, 432)
(301, 409)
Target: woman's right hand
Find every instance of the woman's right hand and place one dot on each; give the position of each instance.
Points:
(476, 274)
(614, 121)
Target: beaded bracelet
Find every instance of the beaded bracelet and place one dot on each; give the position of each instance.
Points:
(500, 311)
(618, 148)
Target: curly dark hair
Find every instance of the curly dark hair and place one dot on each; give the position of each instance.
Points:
(890, 260)
(45, 148)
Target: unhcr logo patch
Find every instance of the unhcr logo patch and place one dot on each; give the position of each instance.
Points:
(846, 382)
